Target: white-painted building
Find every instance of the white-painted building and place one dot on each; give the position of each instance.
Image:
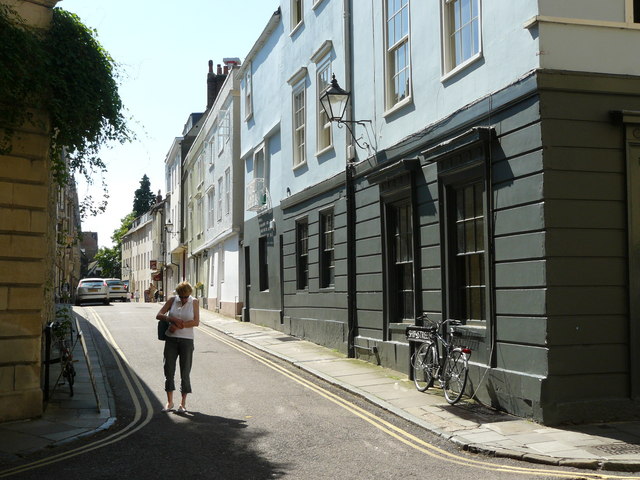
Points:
(173, 248)
(290, 149)
(214, 178)
(137, 253)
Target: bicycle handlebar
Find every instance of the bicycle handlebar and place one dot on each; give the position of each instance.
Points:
(451, 321)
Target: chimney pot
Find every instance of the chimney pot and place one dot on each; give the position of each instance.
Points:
(219, 69)
(226, 70)
(210, 66)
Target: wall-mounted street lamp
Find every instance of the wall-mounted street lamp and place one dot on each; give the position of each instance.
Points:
(168, 227)
(334, 102)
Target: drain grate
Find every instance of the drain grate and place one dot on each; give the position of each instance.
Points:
(618, 448)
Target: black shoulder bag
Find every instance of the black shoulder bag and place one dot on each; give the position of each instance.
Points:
(163, 325)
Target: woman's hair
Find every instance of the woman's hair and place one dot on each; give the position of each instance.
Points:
(184, 288)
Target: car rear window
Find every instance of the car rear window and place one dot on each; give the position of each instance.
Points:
(114, 282)
(91, 284)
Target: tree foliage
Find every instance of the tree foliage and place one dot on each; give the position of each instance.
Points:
(109, 258)
(143, 199)
(65, 72)
(121, 231)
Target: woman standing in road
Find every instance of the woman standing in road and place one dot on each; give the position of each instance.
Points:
(183, 313)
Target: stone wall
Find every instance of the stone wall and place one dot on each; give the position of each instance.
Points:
(27, 251)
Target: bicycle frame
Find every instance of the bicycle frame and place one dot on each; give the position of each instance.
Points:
(437, 358)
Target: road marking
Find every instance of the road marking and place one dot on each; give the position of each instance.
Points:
(397, 432)
(127, 373)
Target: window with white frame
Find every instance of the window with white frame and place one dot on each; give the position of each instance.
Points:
(200, 165)
(210, 207)
(323, 80)
(224, 124)
(397, 64)
(248, 102)
(199, 216)
(260, 168)
(221, 265)
(210, 147)
(227, 191)
(298, 98)
(296, 13)
(220, 199)
(462, 33)
(327, 249)
(302, 254)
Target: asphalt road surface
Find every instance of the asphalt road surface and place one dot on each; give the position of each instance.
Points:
(251, 416)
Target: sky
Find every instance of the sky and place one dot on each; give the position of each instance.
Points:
(163, 48)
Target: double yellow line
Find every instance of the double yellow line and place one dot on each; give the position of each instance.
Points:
(402, 435)
(140, 419)
(136, 392)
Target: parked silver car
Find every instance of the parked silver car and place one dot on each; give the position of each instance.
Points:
(92, 290)
(117, 289)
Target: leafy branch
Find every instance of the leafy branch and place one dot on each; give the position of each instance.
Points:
(65, 72)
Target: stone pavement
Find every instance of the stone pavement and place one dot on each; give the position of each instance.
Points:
(65, 418)
(468, 425)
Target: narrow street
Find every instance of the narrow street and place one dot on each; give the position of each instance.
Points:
(251, 417)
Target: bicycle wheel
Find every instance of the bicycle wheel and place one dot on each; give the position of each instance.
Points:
(68, 370)
(456, 370)
(425, 365)
(69, 373)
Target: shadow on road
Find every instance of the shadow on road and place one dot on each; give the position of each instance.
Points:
(187, 445)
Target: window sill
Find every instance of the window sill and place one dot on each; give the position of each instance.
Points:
(300, 165)
(476, 331)
(399, 327)
(324, 150)
(248, 117)
(296, 28)
(398, 106)
(452, 73)
(316, 4)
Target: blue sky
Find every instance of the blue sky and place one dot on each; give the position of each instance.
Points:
(163, 48)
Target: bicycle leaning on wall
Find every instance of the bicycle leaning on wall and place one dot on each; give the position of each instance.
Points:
(61, 338)
(437, 358)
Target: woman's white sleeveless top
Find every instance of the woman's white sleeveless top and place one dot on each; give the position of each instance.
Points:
(183, 312)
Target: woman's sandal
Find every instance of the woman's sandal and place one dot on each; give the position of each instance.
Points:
(168, 407)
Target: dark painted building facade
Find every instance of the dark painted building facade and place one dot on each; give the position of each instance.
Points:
(516, 213)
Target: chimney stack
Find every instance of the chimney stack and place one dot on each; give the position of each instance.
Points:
(215, 81)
